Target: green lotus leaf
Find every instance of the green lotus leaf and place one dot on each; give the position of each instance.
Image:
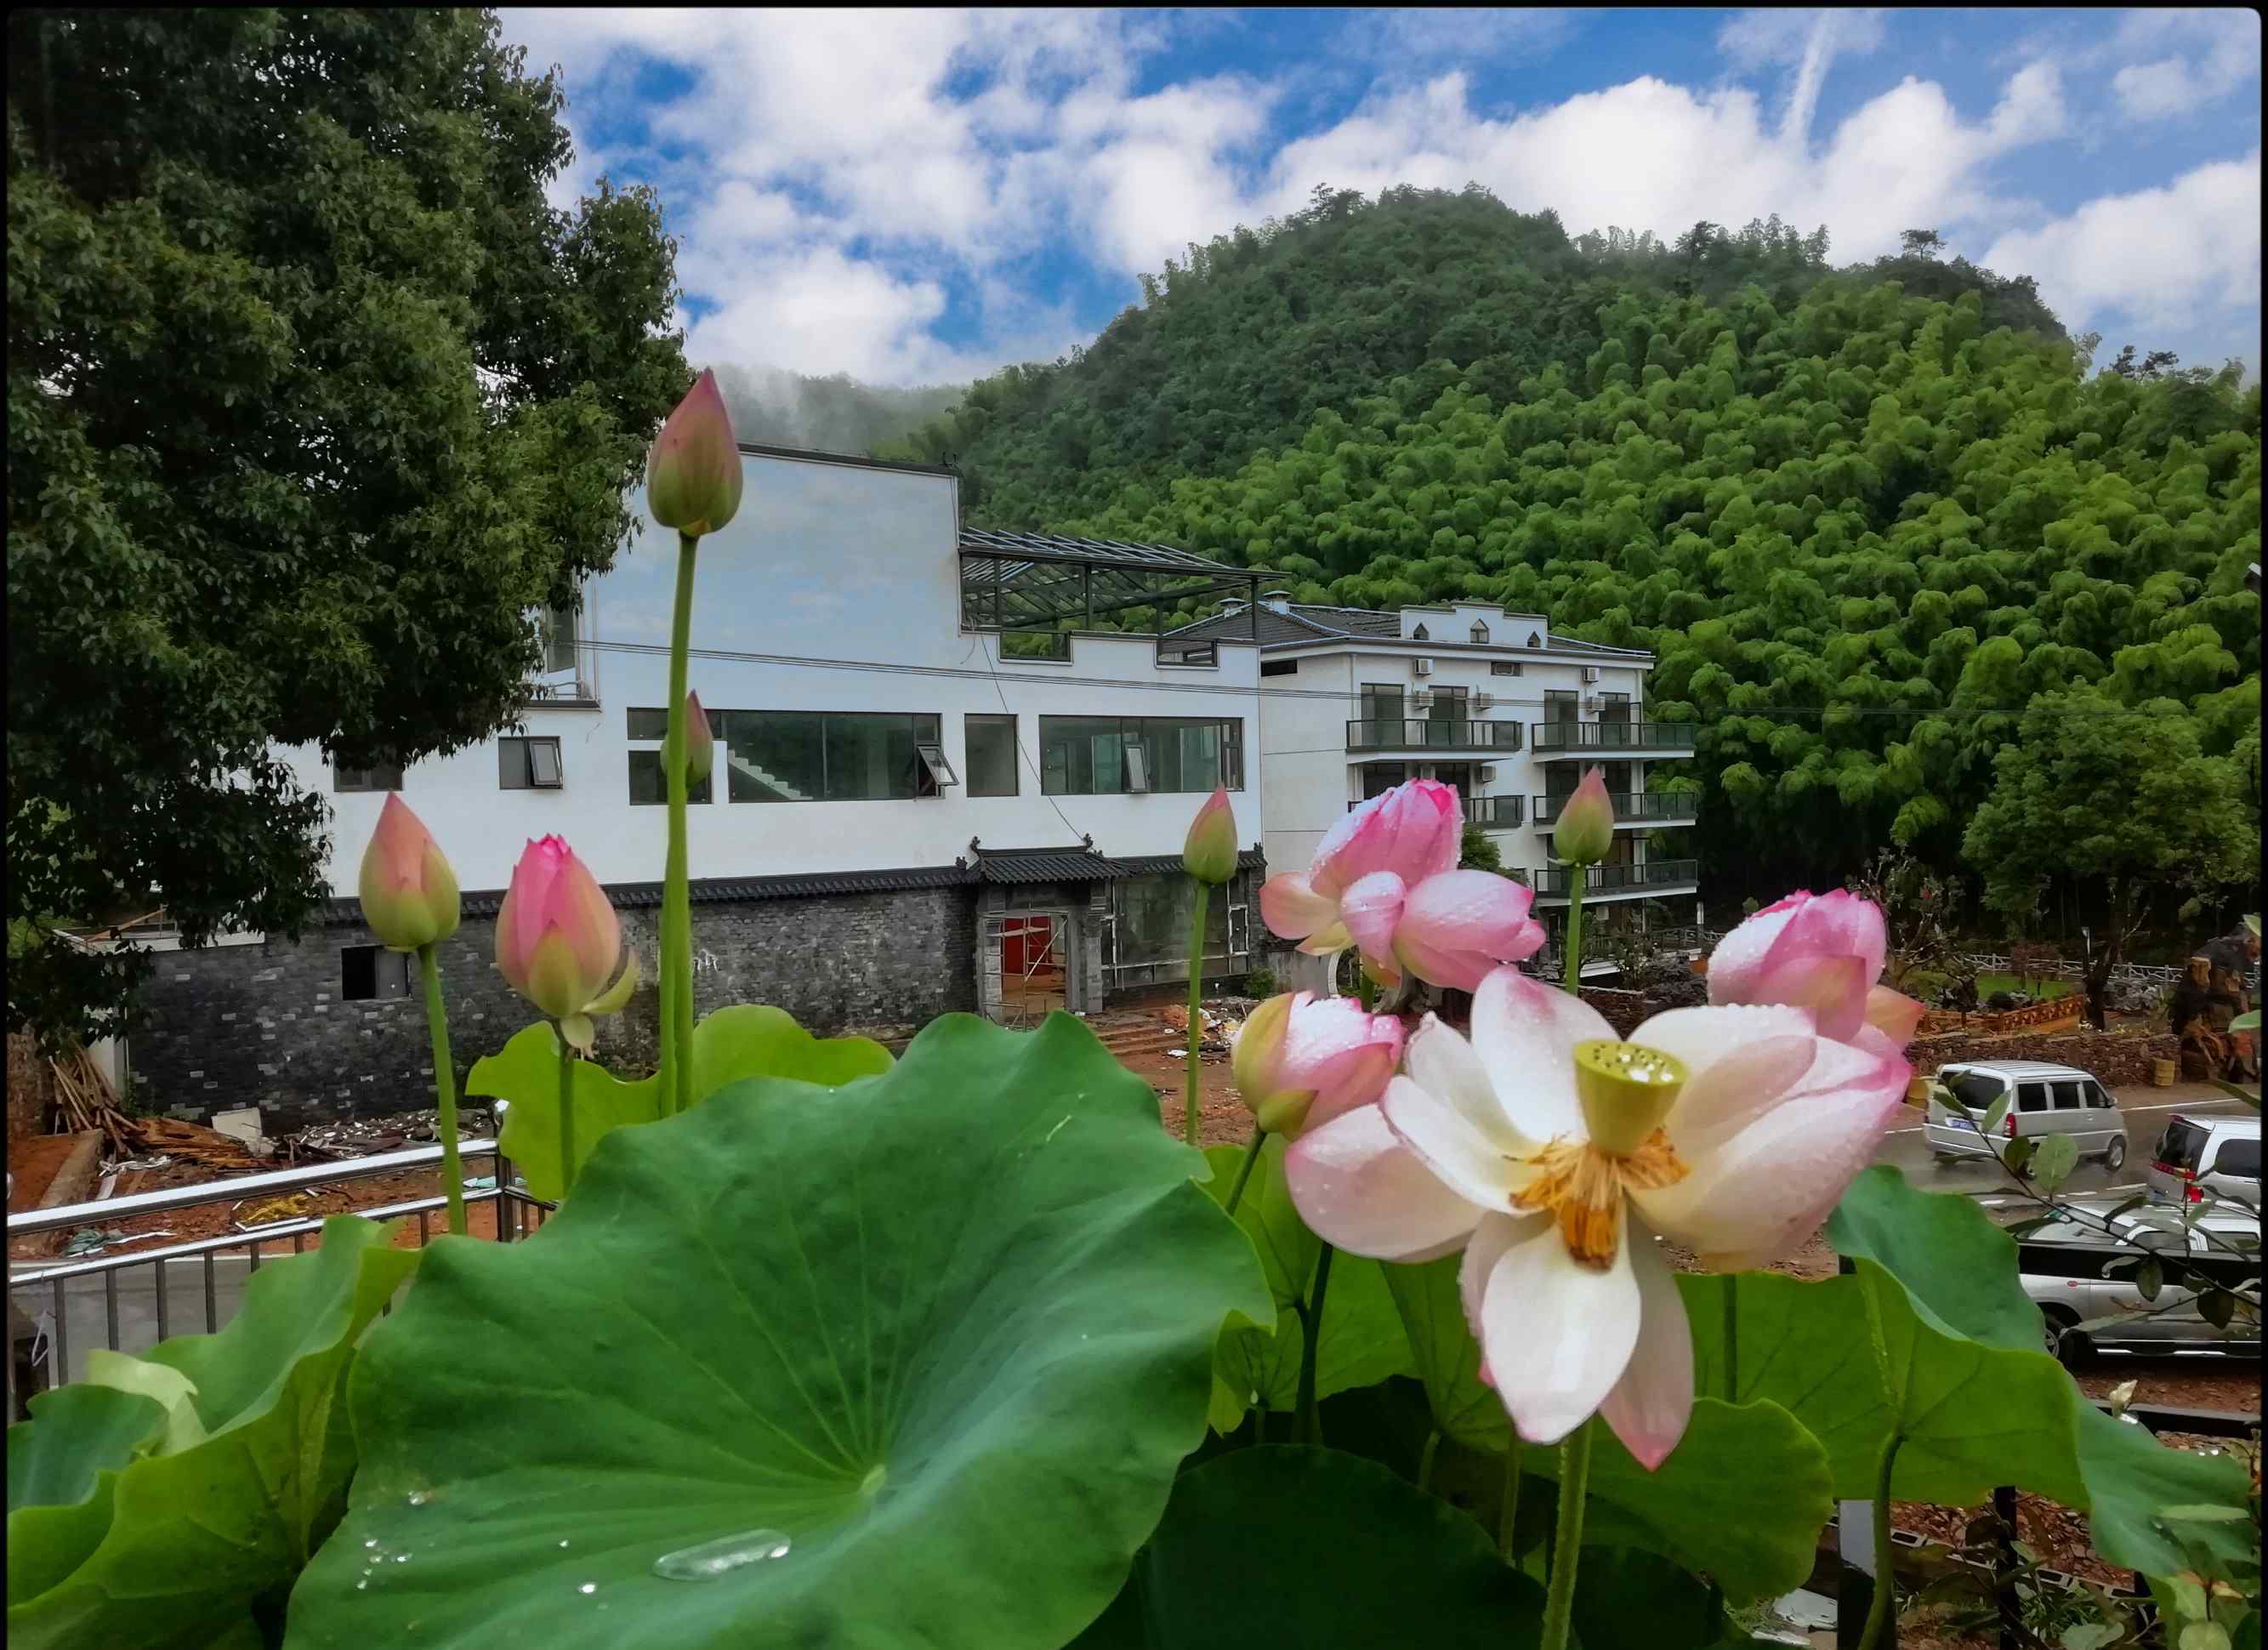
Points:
(909, 1362)
(1288, 1545)
(1361, 1340)
(199, 1540)
(730, 1046)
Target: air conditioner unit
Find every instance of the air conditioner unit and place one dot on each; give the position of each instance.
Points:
(1486, 774)
(1421, 667)
(1590, 673)
(1484, 701)
(1421, 700)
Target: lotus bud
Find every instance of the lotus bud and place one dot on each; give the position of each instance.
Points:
(1210, 853)
(693, 474)
(558, 940)
(1585, 830)
(700, 744)
(1301, 1060)
(409, 892)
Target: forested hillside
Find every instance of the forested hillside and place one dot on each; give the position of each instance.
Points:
(1865, 517)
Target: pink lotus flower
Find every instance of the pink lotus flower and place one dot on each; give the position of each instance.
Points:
(1301, 1060)
(1386, 881)
(1551, 1152)
(1584, 833)
(1209, 854)
(700, 743)
(693, 473)
(1824, 952)
(558, 939)
(409, 892)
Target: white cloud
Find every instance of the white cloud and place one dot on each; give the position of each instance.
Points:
(2155, 256)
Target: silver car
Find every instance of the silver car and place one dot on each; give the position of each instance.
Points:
(2197, 1155)
(2043, 1100)
(2064, 1263)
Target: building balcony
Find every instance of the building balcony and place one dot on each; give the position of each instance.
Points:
(1632, 808)
(1621, 881)
(1396, 733)
(1555, 740)
(1496, 812)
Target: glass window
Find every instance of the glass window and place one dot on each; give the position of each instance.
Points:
(528, 764)
(368, 973)
(1480, 631)
(651, 724)
(1279, 666)
(379, 777)
(646, 788)
(1085, 756)
(828, 755)
(1976, 1090)
(2067, 1097)
(2031, 1097)
(869, 758)
(2183, 1144)
(1451, 704)
(1504, 667)
(1421, 634)
(2097, 1095)
(1560, 706)
(992, 761)
(2238, 1157)
(776, 755)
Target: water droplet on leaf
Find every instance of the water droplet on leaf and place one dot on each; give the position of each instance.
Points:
(713, 1558)
(587, 1587)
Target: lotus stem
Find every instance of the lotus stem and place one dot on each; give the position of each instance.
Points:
(444, 1089)
(1882, 1609)
(1573, 977)
(1244, 1169)
(676, 901)
(1426, 1457)
(1309, 1429)
(1197, 1012)
(1567, 1547)
(1507, 1518)
(566, 1112)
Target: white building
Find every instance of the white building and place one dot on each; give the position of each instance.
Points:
(1356, 702)
(940, 782)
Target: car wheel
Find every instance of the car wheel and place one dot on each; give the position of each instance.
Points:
(2115, 1155)
(2065, 1344)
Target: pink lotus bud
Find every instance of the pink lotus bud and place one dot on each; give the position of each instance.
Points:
(700, 744)
(693, 475)
(557, 939)
(1210, 853)
(1823, 952)
(1301, 1060)
(408, 893)
(1585, 830)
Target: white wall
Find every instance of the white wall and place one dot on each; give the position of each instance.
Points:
(830, 562)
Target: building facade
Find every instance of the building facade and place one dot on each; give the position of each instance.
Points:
(951, 773)
(1357, 702)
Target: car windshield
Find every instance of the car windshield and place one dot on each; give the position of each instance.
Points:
(1977, 1090)
(2182, 1144)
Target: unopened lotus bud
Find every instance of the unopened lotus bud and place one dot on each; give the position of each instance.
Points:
(1210, 853)
(1300, 1060)
(700, 744)
(409, 892)
(1585, 830)
(557, 937)
(693, 474)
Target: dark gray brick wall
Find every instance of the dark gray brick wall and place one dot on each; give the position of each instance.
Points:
(266, 1025)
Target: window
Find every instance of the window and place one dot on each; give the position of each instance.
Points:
(2097, 1095)
(647, 788)
(2238, 1157)
(991, 755)
(379, 777)
(1451, 704)
(1976, 1090)
(1535, 640)
(646, 723)
(369, 973)
(1421, 634)
(1504, 667)
(2067, 1097)
(1107, 755)
(528, 764)
(1279, 666)
(2031, 1097)
(1560, 706)
(1615, 707)
(559, 636)
(831, 755)
(1379, 778)
(1480, 631)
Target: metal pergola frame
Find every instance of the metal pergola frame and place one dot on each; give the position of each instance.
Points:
(1044, 582)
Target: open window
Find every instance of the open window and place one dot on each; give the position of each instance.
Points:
(935, 771)
(1138, 768)
(385, 776)
(529, 764)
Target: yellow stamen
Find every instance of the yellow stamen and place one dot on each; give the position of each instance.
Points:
(1584, 1188)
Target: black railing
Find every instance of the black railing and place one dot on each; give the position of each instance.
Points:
(1551, 882)
(1496, 812)
(1420, 733)
(1631, 807)
(1556, 737)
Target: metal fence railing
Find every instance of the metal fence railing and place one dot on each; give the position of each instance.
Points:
(130, 1300)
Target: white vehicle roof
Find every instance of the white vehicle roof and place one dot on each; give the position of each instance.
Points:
(2238, 1126)
(2017, 1068)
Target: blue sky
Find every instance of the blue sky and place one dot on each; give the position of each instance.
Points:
(920, 197)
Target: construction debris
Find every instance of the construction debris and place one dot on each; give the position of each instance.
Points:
(364, 1137)
(1217, 1029)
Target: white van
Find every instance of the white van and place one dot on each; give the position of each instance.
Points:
(2045, 1100)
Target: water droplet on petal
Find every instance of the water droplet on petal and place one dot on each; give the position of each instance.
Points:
(401, 1557)
(713, 1558)
(361, 1586)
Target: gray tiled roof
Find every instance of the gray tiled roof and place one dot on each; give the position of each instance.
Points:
(643, 895)
(1045, 864)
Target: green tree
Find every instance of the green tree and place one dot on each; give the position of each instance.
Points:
(1477, 849)
(2119, 803)
(312, 399)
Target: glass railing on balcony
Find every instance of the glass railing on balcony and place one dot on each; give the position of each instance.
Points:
(1496, 812)
(1566, 737)
(570, 675)
(1631, 807)
(1552, 882)
(1397, 732)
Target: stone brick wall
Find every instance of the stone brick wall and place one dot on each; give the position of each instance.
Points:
(2115, 1058)
(266, 1025)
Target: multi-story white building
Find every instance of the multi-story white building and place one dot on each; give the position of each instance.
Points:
(952, 772)
(1356, 702)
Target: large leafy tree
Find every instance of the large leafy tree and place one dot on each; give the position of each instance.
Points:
(2119, 802)
(312, 398)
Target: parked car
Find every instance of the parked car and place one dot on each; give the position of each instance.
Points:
(2063, 1265)
(2196, 1155)
(2047, 1100)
